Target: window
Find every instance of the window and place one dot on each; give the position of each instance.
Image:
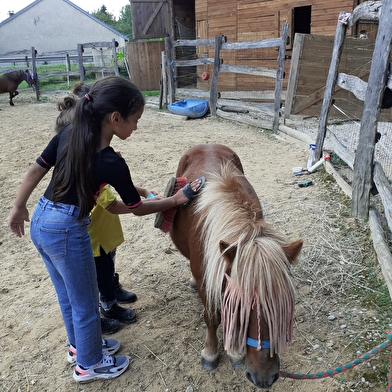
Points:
(302, 19)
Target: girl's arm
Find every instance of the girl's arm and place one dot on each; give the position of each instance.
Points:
(144, 192)
(19, 213)
(150, 206)
(156, 204)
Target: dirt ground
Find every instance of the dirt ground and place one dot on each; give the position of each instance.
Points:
(332, 324)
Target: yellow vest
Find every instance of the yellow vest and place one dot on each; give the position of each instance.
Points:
(105, 228)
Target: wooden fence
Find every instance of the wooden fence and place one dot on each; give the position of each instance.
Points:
(366, 170)
(310, 62)
(82, 68)
(16, 57)
(220, 44)
(66, 56)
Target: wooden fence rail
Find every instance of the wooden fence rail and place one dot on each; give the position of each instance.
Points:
(219, 43)
(67, 56)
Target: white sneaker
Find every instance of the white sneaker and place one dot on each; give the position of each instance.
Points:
(109, 347)
(108, 367)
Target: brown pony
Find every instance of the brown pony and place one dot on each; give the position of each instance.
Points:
(241, 265)
(10, 81)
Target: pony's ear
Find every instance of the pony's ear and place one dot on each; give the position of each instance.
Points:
(237, 162)
(228, 254)
(293, 250)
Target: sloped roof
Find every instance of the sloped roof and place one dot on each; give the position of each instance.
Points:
(72, 5)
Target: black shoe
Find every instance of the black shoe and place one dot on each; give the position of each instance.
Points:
(109, 326)
(122, 296)
(127, 316)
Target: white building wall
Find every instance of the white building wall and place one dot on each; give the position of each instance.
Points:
(52, 25)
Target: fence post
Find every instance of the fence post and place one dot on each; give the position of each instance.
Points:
(171, 70)
(340, 35)
(363, 163)
(34, 69)
(163, 84)
(114, 53)
(215, 74)
(82, 72)
(68, 67)
(279, 77)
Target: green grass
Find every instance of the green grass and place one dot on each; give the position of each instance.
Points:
(60, 82)
(55, 83)
(152, 93)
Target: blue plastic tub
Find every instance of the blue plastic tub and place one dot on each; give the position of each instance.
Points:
(192, 108)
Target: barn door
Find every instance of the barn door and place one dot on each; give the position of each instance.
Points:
(150, 19)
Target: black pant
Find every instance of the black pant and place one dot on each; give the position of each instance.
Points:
(104, 265)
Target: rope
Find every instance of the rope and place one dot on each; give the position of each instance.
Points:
(350, 118)
(390, 373)
(350, 365)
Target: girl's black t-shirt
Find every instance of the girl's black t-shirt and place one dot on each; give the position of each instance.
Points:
(110, 168)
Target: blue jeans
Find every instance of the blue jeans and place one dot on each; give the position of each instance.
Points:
(64, 245)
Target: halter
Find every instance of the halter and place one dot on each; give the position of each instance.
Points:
(255, 343)
(28, 76)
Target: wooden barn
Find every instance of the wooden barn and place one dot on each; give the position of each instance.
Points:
(53, 25)
(252, 20)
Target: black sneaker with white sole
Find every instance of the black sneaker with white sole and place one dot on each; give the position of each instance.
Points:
(109, 326)
(127, 316)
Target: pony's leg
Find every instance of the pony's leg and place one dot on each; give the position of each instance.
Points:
(12, 95)
(209, 355)
(237, 361)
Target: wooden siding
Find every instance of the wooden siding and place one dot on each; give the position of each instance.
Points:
(145, 64)
(149, 19)
(201, 9)
(249, 20)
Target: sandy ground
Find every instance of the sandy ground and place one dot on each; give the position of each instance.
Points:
(164, 345)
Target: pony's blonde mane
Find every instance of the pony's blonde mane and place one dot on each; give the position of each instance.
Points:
(260, 272)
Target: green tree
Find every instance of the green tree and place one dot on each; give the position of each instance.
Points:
(105, 16)
(124, 22)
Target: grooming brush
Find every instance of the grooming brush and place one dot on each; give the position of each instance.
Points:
(164, 219)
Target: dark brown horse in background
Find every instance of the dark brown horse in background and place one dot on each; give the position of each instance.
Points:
(10, 81)
(241, 265)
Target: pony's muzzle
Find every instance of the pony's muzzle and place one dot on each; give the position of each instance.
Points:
(262, 382)
(265, 376)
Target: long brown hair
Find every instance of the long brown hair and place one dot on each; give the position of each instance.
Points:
(75, 166)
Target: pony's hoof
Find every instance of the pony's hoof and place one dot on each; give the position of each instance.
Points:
(237, 364)
(192, 284)
(209, 365)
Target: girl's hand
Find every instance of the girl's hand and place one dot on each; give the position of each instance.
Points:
(195, 186)
(148, 193)
(144, 192)
(18, 216)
